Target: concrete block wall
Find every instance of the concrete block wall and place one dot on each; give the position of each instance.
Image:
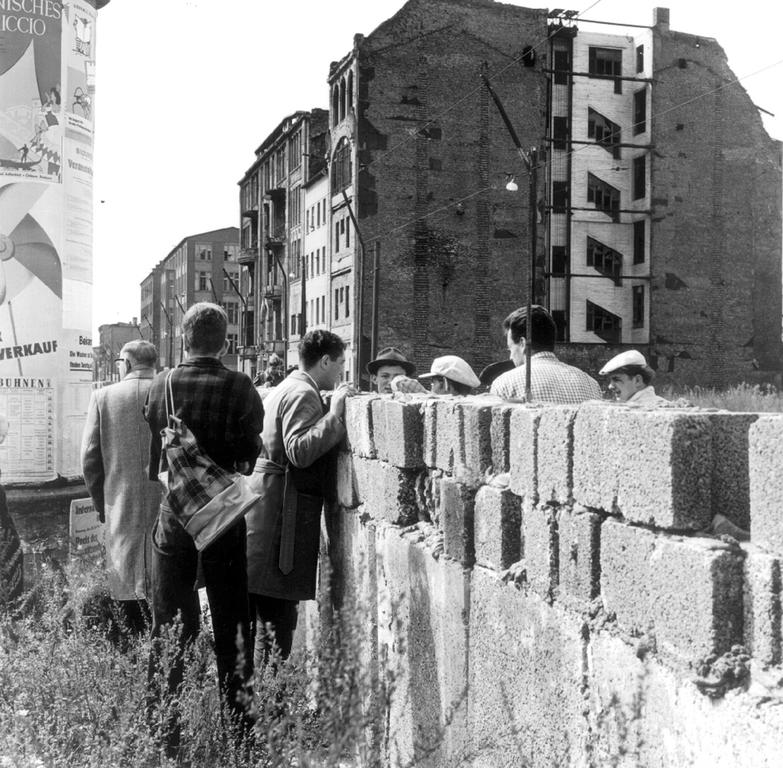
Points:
(544, 587)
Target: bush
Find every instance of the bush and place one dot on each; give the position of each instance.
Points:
(742, 397)
(73, 692)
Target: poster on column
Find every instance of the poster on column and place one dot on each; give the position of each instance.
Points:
(31, 234)
(78, 64)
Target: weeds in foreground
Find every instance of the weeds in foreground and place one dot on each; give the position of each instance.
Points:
(752, 398)
(72, 695)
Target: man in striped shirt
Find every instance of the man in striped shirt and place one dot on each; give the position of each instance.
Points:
(550, 380)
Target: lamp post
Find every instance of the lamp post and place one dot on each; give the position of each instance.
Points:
(530, 159)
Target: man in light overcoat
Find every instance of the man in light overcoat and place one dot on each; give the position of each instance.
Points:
(115, 457)
(293, 473)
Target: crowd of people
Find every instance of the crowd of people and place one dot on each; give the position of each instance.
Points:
(279, 433)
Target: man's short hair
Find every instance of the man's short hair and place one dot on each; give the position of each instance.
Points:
(142, 353)
(204, 328)
(316, 344)
(544, 330)
(632, 370)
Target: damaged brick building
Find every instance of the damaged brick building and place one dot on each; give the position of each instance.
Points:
(658, 203)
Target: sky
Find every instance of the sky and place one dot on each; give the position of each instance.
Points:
(187, 90)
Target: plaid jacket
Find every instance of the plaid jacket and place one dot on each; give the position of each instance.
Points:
(221, 408)
(550, 382)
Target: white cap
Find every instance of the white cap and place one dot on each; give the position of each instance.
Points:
(454, 368)
(631, 357)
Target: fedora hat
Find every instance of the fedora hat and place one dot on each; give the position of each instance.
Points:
(390, 356)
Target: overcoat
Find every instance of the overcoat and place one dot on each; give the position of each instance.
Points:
(292, 474)
(115, 454)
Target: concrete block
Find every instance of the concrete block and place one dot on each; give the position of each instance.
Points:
(403, 433)
(523, 429)
(456, 520)
(500, 431)
(593, 481)
(429, 426)
(422, 650)
(362, 480)
(474, 460)
(448, 435)
(378, 419)
(555, 449)
(651, 466)
(765, 441)
(347, 494)
(762, 606)
(358, 425)
(497, 527)
(625, 584)
(579, 540)
(730, 466)
(526, 678)
(540, 549)
(686, 591)
(387, 492)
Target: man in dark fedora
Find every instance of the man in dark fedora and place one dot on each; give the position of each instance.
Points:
(389, 363)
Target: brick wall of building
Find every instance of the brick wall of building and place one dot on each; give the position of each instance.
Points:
(716, 236)
(432, 172)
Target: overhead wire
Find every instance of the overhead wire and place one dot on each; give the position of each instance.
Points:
(522, 173)
(431, 121)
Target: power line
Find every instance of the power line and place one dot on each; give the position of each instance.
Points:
(524, 171)
(470, 93)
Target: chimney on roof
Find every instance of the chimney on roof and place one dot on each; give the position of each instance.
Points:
(661, 19)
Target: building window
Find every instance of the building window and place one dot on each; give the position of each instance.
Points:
(295, 203)
(347, 233)
(605, 260)
(559, 316)
(640, 58)
(347, 300)
(562, 66)
(295, 150)
(607, 62)
(336, 235)
(637, 293)
(639, 177)
(335, 104)
(605, 197)
(604, 131)
(202, 281)
(559, 196)
(232, 339)
(205, 254)
(603, 323)
(336, 304)
(640, 111)
(559, 132)
(639, 228)
(280, 166)
(559, 261)
(349, 91)
(341, 167)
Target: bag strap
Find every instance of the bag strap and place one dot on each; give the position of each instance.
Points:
(169, 395)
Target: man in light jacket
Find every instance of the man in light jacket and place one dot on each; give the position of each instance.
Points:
(115, 453)
(293, 473)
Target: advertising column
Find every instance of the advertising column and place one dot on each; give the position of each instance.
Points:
(46, 103)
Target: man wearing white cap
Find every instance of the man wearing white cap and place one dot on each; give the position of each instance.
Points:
(630, 377)
(450, 375)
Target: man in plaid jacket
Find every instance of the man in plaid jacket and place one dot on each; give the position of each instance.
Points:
(551, 381)
(224, 412)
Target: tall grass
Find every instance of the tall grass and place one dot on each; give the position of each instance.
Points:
(73, 688)
(742, 397)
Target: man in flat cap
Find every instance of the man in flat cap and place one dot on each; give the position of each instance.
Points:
(389, 363)
(551, 381)
(449, 375)
(630, 377)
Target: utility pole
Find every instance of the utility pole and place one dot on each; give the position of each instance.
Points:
(530, 159)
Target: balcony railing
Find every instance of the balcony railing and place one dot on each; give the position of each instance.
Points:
(247, 255)
(272, 290)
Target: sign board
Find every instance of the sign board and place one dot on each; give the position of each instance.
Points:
(85, 531)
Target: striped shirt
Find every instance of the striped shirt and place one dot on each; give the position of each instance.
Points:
(550, 382)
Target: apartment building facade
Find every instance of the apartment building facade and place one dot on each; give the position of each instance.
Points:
(202, 267)
(273, 232)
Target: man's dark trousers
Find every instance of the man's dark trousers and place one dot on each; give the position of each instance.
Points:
(224, 568)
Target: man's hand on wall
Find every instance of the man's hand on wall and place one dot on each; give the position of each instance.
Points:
(337, 405)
